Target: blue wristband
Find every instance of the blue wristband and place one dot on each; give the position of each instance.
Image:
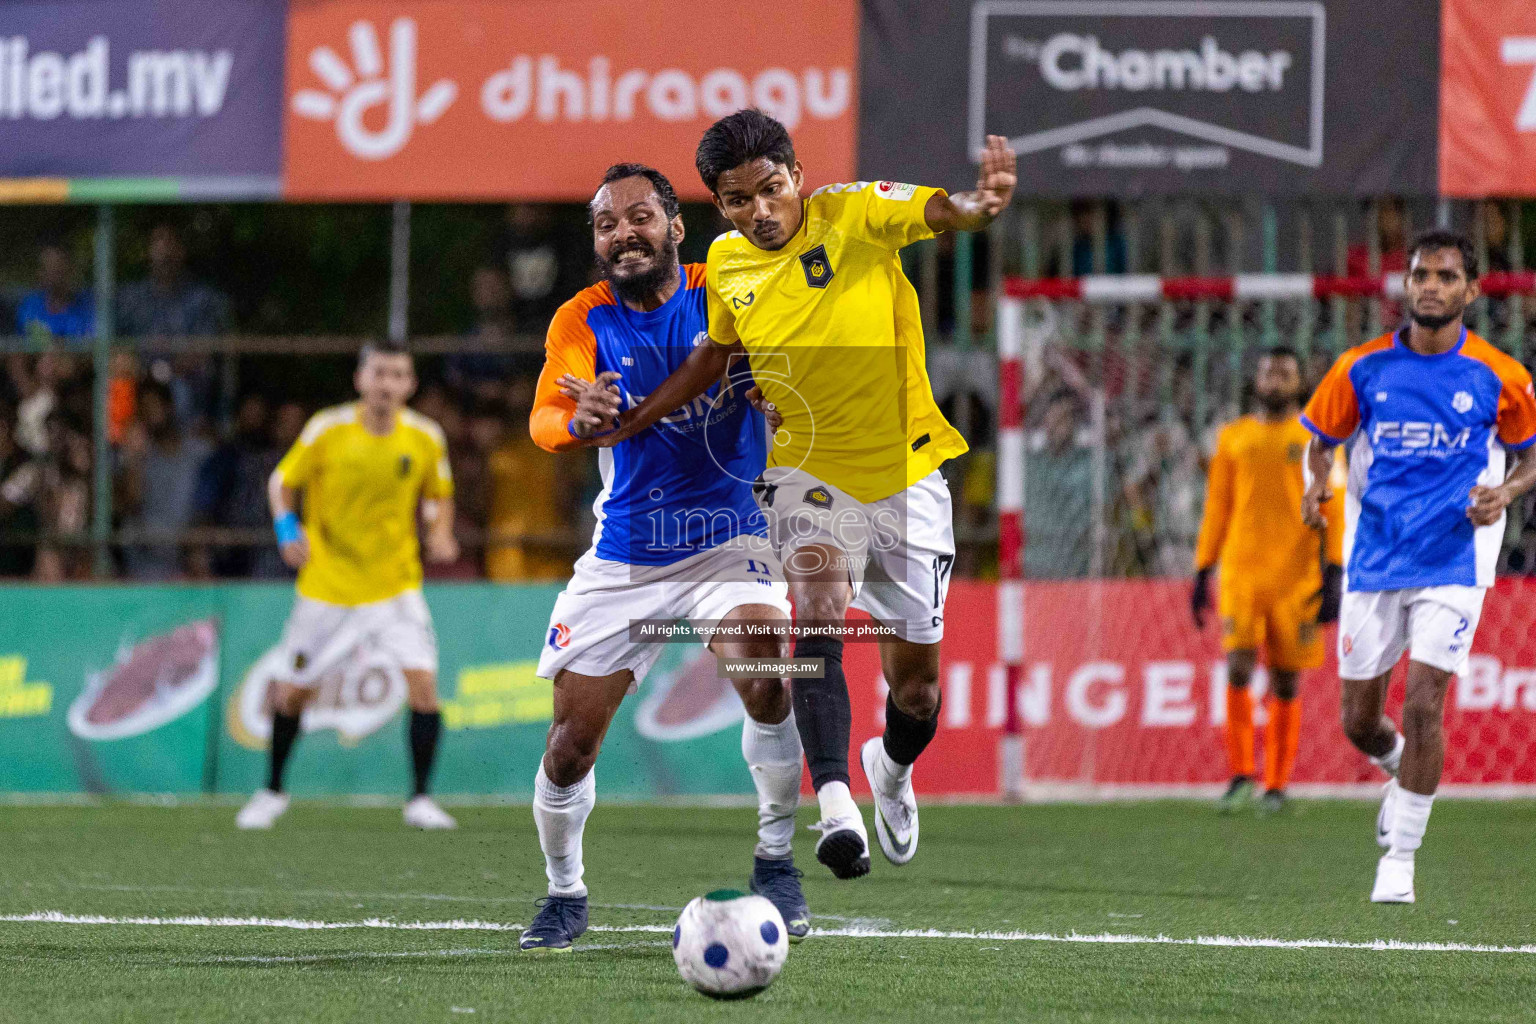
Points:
(287, 528)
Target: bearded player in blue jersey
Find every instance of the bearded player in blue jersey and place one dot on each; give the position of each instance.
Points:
(1431, 414)
(679, 536)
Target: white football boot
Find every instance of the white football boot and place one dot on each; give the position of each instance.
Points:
(422, 812)
(1384, 816)
(844, 844)
(1394, 880)
(262, 810)
(895, 804)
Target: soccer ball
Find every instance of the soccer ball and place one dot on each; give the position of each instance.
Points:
(729, 945)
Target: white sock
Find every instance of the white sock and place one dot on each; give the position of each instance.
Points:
(773, 755)
(561, 813)
(1409, 820)
(1389, 762)
(836, 801)
(893, 776)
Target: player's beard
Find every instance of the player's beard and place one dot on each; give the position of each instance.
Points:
(1275, 403)
(1435, 321)
(643, 286)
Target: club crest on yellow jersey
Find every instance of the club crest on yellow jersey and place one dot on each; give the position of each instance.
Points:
(818, 268)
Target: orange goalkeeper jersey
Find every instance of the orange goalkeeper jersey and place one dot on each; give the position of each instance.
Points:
(1252, 522)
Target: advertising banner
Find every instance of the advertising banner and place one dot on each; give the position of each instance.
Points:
(478, 100)
(1121, 691)
(103, 88)
(1488, 99)
(1136, 97)
(164, 690)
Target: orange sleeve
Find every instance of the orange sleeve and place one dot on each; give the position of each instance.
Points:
(1218, 506)
(1334, 409)
(1517, 408)
(569, 347)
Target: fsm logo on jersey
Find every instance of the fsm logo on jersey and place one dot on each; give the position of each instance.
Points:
(1150, 85)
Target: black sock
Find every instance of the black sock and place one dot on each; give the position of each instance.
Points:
(285, 729)
(425, 725)
(905, 736)
(823, 714)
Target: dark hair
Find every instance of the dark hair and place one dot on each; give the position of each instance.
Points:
(382, 347)
(664, 190)
(738, 139)
(1281, 352)
(1442, 238)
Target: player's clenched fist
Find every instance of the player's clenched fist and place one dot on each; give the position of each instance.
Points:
(1488, 503)
(597, 402)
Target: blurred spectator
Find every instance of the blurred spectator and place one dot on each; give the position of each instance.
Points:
(484, 373)
(64, 501)
(57, 310)
(168, 303)
(232, 486)
(1083, 215)
(1391, 240)
(18, 507)
(532, 496)
(1163, 492)
(1058, 494)
(157, 485)
(1496, 234)
(545, 264)
(36, 381)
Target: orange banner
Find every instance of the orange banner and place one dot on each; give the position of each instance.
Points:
(533, 100)
(1488, 99)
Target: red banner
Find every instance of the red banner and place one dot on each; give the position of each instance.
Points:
(1488, 99)
(1122, 690)
(465, 100)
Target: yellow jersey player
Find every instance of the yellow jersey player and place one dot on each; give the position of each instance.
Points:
(364, 469)
(811, 288)
(1279, 578)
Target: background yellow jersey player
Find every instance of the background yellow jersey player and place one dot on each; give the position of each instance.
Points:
(1279, 578)
(364, 470)
(811, 288)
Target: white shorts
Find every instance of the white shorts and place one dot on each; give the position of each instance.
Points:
(589, 628)
(900, 549)
(319, 635)
(1433, 624)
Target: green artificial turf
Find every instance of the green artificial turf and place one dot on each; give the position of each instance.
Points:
(1153, 869)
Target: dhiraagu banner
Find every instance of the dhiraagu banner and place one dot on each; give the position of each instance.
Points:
(164, 690)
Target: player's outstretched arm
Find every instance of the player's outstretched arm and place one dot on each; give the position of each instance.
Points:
(1488, 503)
(1319, 493)
(705, 365)
(972, 211)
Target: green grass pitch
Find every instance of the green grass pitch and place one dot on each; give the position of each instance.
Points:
(1171, 869)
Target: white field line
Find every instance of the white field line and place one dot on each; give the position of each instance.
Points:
(1099, 938)
(417, 954)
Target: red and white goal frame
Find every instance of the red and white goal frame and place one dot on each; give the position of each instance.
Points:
(1132, 705)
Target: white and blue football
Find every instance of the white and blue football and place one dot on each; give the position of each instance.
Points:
(730, 945)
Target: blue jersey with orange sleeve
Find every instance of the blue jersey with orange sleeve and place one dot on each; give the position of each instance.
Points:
(685, 485)
(1423, 431)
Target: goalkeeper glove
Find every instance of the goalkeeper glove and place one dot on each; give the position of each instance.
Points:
(1332, 592)
(1200, 597)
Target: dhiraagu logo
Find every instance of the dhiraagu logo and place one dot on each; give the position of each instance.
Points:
(351, 90)
(20, 698)
(506, 693)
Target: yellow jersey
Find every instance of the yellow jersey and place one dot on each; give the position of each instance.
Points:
(361, 492)
(1252, 522)
(835, 338)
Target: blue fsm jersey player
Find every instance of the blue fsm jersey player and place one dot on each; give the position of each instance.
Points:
(1430, 413)
(679, 536)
